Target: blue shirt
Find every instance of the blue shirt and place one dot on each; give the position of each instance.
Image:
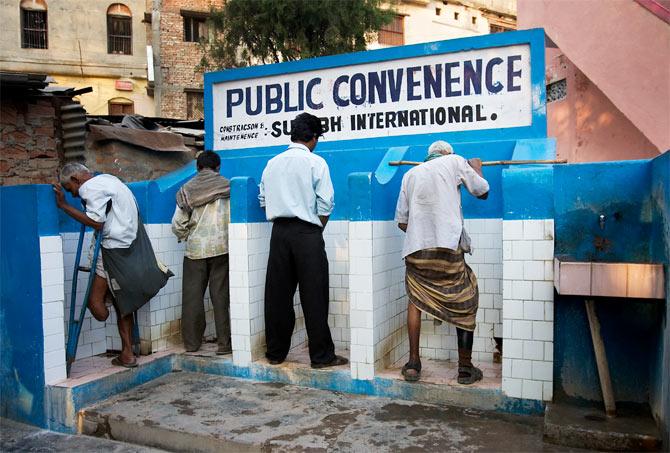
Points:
(296, 183)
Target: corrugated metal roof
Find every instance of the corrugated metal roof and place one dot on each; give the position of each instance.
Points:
(73, 124)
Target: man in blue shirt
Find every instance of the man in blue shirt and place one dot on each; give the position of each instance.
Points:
(297, 194)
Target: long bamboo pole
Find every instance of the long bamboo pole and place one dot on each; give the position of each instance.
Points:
(397, 163)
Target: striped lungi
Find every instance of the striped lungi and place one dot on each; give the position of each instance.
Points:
(440, 283)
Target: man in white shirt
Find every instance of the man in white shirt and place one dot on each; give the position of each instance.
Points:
(111, 210)
(297, 194)
(437, 279)
(201, 219)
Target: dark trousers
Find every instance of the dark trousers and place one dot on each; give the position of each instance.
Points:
(297, 256)
(197, 275)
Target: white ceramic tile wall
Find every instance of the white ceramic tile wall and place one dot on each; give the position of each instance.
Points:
(379, 302)
(528, 308)
(161, 317)
(94, 337)
(336, 237)
(438, 341)
(389, 298)
(361, 321)
(248, 246)
(159, 320)
(249, 249)
(53, 296)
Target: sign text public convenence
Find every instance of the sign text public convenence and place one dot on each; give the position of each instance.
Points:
(469, 90)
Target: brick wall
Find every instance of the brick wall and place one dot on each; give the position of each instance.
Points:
(28, 141)
(178, 59)
(130, 163)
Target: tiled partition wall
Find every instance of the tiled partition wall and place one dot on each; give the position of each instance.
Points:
(93, 338)
(378, 300)
(249, 249)
(51, 264)
(163, 318)
(159, 320)
(528, 308)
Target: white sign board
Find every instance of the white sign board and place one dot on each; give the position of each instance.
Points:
(460, 91)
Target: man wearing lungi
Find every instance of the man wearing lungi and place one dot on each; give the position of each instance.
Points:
(297, 194)
(437, 279)
(120, 227)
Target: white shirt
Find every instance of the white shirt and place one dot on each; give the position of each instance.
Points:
(296, 183)
(430, 202)
(120, 226)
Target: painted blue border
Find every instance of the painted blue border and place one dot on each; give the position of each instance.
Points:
(21, 325)
(534, 38)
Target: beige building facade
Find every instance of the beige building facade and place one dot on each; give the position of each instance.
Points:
(420, 21)
(101, 44)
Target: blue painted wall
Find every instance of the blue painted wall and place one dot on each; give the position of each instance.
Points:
(621, 191)
(634, 197)
(528, 192)
(21, 333)
(660, 192)
(630, 330)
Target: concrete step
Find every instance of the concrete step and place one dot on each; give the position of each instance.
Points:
(185, 411)
(17, 437)
(587, 427)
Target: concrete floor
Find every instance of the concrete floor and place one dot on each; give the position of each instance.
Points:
(197, 412)
(15, 437)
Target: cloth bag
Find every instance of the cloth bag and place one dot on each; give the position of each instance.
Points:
(135, 274)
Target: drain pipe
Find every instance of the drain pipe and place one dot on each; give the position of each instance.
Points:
(601, 359)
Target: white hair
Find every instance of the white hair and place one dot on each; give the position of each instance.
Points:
(440, 147)
(71, 169)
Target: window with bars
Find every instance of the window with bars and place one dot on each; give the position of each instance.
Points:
(119, 35)
(195, 29)
(34, 29)
(195, 105)
(393, 34)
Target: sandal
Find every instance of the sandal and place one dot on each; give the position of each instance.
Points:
(116, 361)
(469, 375)
(411, 377)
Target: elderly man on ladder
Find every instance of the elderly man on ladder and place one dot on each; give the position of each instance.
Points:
(127, 255)
(437, 278)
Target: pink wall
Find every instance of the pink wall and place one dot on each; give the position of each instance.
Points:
(586, 125)
(615, 61)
